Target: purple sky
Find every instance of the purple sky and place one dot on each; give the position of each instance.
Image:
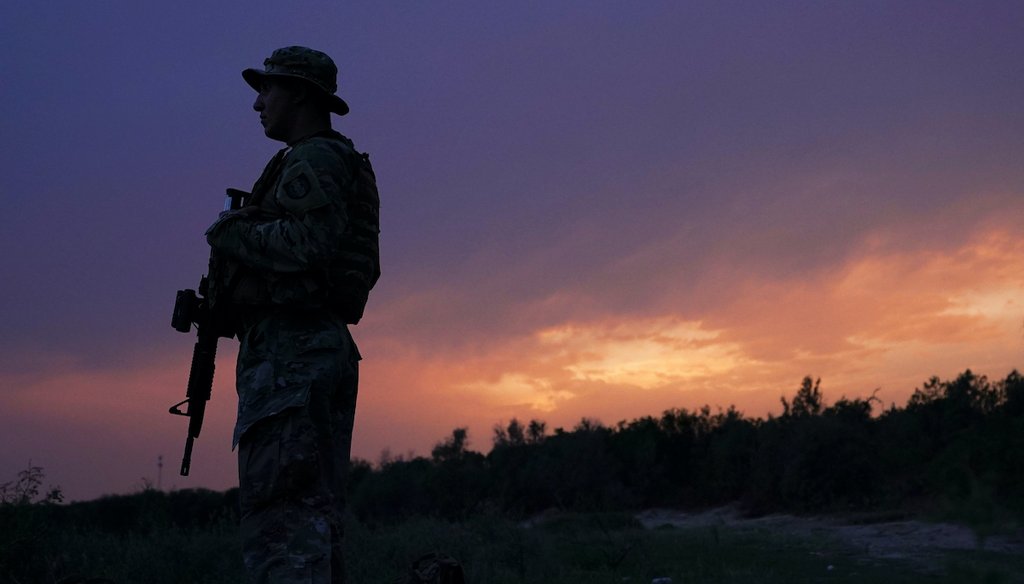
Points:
(550, 172)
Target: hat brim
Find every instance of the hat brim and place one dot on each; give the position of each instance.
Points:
(255, 77)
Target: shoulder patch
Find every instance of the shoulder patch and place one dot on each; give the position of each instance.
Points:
(299, 190)
(298, 187)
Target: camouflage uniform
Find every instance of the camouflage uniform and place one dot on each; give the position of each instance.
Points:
(297, 371)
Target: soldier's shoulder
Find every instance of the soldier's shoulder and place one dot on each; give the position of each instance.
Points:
(329, 147)
(325, 157)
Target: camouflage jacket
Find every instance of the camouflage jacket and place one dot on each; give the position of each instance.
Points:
(279, 245)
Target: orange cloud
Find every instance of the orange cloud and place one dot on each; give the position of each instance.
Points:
(882, 318)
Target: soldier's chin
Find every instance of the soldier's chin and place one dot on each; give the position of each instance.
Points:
(273, 135)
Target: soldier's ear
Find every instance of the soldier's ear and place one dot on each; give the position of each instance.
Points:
(297, 91)
(305, 93)
(302, 93)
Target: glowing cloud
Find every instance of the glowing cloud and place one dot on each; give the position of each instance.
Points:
(648, 353)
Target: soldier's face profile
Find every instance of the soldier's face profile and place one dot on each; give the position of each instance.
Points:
(274, 104)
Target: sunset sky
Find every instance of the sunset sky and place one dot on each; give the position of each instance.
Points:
(589, 209)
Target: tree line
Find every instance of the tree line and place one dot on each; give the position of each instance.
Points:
(955, 445)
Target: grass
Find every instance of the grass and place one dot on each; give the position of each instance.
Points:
(561, 549)
(615, 548)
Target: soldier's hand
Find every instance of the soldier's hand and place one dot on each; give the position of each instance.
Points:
(226, 217)
(250, 212)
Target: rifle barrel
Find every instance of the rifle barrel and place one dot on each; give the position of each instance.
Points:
(186, 461)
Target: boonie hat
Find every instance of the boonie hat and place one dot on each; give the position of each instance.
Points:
(302, 63)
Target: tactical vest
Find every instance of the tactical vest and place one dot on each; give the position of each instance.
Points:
(344, 285)
(354, 272)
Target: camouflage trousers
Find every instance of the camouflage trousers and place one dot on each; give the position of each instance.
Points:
(292, 464)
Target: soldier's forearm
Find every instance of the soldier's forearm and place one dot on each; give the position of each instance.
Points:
(285, 245)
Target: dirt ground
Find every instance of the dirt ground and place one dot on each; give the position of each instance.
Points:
(908, 540)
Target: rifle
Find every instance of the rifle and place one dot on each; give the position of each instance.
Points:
(211, 323)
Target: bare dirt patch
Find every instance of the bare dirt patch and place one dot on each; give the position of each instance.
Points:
(910, 539)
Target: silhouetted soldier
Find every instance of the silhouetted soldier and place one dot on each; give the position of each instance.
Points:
(301, 257)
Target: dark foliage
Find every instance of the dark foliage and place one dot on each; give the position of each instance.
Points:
(152, 510)
(34, 532)
(956, 444)
(955, 447)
